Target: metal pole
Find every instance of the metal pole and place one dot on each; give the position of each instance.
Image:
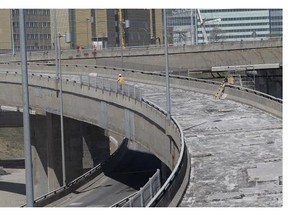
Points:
(12, 32)
(56, 45)
(195, 28)
(59, 78)
(87, 19)
(26, 117)
(191, 26)
(168, 102)
(121, 41)
(61, 115)
(96, 22)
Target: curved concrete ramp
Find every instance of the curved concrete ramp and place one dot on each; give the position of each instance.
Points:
(232, 145)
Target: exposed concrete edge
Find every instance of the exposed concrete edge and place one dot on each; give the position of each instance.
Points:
(181, 191)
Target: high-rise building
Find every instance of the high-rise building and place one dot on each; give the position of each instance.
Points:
(38, 29)
(224, 24)
(87, 27)
(5, 30)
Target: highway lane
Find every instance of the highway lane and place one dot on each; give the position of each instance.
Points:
(119, 180)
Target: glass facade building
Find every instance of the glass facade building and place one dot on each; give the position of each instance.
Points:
(224, 25)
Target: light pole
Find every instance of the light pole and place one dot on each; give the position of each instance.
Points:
(59, 72)
(12, 32)
(87, 31)
(61, 111)
(26, 118)
(121, 41)
(168, 102)
(121, 24)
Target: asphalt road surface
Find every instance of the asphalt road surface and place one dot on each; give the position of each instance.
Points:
(116, 182)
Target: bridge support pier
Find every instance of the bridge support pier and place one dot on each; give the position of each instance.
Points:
(85, 146)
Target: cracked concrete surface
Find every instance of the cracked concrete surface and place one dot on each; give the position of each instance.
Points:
(236, 150)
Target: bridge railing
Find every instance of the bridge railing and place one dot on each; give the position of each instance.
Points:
(142, 197)
(92, 80)
(151, 195)
(176, 183)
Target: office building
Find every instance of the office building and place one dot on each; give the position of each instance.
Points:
(224, 25)
(5, 31)
(87, 27)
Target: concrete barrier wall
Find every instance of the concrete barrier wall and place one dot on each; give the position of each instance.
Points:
(123, 116)
(235, 93)
(151, 50)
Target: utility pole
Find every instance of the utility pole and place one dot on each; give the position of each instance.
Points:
(67, 40)
(26, 117)
(121, 37)
(59, 78)
(87, 32)
(168, 102)
(12, 32)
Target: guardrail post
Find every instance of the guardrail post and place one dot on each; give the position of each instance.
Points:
(109, 85)
(151, 188)
(141, 197)
(95, 82)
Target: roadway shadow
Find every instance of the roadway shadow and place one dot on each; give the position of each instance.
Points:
(133, 168)
(18, 188)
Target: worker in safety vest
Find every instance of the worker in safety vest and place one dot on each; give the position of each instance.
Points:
(120, 81)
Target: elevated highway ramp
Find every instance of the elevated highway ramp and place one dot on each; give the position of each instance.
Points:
(232, 146)
(236, 149)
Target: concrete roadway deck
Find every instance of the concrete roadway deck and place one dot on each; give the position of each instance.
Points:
(236, 150)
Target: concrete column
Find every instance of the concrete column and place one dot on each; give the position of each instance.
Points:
(95, 145)
(53, 139)
(85, 146)
(39, 154)
(73, 148)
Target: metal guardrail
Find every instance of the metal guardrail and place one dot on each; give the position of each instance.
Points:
(66, 187)
(252, 91)
(144, 195)
(92, 80)
(165, 187)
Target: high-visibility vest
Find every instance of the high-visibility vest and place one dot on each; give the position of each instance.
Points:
(120, 80)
